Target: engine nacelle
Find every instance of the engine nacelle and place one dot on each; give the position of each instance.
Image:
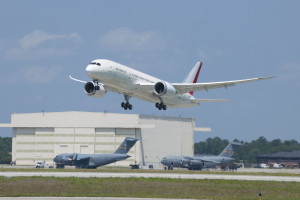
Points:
(196, 163)
(90, 89)
(164, 88)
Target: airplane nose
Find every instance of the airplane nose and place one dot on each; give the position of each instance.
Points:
(89, 69)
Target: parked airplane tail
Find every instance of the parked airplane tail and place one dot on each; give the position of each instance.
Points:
(192, 77)
(126, 145)
(230, 149)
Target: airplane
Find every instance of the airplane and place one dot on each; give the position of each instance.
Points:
(200, 162)
(93, 161)
(108, 75)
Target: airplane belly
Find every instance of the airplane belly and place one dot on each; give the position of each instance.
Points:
(123, 84)
(178, 101)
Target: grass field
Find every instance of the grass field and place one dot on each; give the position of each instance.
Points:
(147, 187)
(128, 170)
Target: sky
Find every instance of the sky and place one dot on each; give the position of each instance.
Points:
(43, 42)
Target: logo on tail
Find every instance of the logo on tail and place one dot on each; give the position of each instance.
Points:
(192, 77)
(126, 145)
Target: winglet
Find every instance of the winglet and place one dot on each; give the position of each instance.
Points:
(211, 100)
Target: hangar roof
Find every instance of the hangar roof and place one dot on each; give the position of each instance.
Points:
(90, 119)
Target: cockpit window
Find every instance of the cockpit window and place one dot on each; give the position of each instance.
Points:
(94, 63)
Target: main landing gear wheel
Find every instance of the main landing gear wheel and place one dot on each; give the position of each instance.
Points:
(161, 106)
(126, 105)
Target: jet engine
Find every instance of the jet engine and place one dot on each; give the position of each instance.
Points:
(196, 165)
(164, 88)
(93, 90)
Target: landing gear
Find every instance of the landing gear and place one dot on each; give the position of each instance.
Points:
(161, 106)
(96, 81)
(126, 105)
(170, 167)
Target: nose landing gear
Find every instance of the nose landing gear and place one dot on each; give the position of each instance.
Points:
(97, 87)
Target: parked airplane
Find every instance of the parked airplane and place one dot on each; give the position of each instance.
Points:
(111, 76)
(95, 160)
(197, 163)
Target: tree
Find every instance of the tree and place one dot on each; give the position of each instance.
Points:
(249, 151)
(5, 150)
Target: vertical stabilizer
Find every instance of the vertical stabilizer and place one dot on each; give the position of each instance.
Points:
(126, 145)
(230, 149)
(192, 77)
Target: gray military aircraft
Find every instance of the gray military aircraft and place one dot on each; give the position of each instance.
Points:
(95, 160)
(199, 162)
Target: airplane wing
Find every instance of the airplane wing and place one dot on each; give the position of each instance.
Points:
(210, 100)
(146, 86)
(74, 79)
(207, 160)
(186, 87)
(82, 157)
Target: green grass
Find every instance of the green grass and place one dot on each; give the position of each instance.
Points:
(147, 188)
(128, 170)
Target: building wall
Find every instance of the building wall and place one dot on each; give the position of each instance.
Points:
(42, 136)
(31, 145)
(171, 136)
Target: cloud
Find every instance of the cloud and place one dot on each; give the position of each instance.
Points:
(33, 74)
(125, 39)
(38, 37)
(39, 44)
(39, 53)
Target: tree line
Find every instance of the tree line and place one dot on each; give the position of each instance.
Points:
(5, 150)
(246, 153)
(249, 150)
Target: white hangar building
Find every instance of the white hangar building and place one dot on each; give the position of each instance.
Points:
(41, 136)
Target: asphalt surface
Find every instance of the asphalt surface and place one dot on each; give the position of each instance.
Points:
(153, 175)
(83, 198)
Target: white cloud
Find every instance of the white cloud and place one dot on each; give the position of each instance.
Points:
(32, 74)
(125, 39)
(32, 46)
(36, 53)
(38, 37)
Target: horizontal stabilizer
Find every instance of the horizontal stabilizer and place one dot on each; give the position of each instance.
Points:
(211, 100)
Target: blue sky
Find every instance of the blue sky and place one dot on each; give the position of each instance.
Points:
(41, 43)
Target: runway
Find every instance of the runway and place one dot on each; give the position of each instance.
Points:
(84, 198)
(153, 175)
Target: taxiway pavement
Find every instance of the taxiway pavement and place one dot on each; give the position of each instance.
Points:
(153, 175)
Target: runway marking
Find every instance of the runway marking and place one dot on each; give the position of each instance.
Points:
(153, 175)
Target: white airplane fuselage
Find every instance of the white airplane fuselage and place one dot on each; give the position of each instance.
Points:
(119, 78)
